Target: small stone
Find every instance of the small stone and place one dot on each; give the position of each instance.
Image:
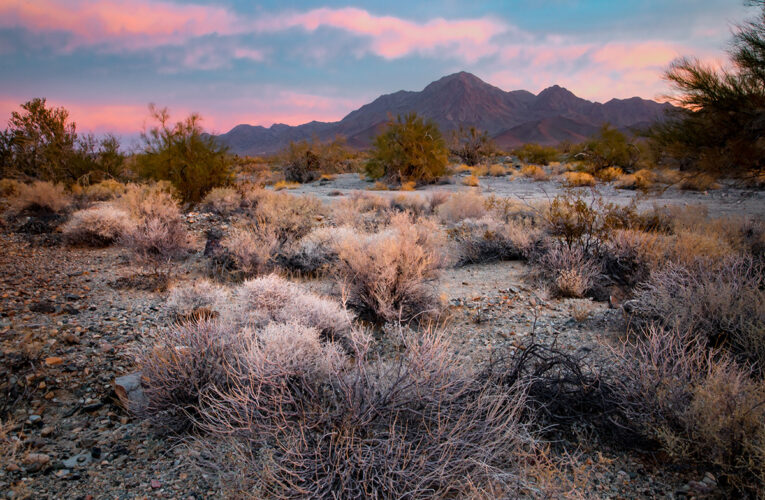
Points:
(46, 431)
(34, 419)
(54, 360)
(43, 306)
(12, 468)
(37, 458)
(155, 484)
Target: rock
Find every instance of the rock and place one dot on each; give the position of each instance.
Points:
(78, 461)
(34, 419)
(155, 484)
(54, 361)
(129, 390)
(37, 458)
(46, 431)
(43, 306)
(70, 309)
(12, 468)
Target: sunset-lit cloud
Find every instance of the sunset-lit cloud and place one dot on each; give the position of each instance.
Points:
(264, 63)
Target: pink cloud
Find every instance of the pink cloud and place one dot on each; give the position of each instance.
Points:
(128, 24)
(393, 37)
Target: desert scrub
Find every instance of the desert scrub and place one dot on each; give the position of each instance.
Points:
(698, 182)
(471, 181)
(198, 300)
(536, 154)
(98, 226)
(578, 179)
(609, 174)
(365, 211)
(105, 190)
(722, 304)
(387, 274)
(41, 197)
(487, 240)
(9, 187)
(459, 206)
(316, 252)
(642, 180)
(290, 217)
(271, 298)
(534, 172)
(568, 270)
(252, 248)
(159, 234)
(703, 408)
(222, 200)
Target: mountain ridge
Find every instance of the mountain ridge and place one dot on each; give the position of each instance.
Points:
(510, 117)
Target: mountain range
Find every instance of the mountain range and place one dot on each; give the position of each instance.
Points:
(511, 118)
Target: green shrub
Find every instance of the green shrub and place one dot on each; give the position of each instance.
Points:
(305, 161)
(410, 149)
(536, 154)
(180, 153)
(470, 145)
(608, 148)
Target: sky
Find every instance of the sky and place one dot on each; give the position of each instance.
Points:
(237, 61)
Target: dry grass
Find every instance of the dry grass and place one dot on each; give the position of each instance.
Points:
(534, 172)
(253, 248)
(41, 197)
(460, 206)
(579, 179)
(471, 181)
(699, 182)
(223, 200)
(642, 180)
(98, 226)
(609, 174)
(108, 189)
(9, 187)
(497, 170)
(286, 185)
(408, 186)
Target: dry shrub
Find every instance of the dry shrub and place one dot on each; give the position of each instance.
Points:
(668, 176)
(413, 204)
(362, 210)
(470, 180)
(408, 186)
(9, 187)
(158, 199)
(578, 179)
(179, 366)
(699, 182)
(105, 190)
(290, 217)
(98, 226)
(630, 255)
(420, 427)
(317, 251)
(488, 240)
(273, 299)
(460, 206)
(159, 234)
(223, 200)
(41, 197)
(686, 247)
(286, 185)
(252, 248)
(387, 273)
(609, 174)
(569, 270)
(534, 172)
(198, 300)
(723, 304)
(642, 179)
(703, 408)
(497, 170)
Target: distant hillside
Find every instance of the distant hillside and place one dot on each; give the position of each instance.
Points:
(511, 118)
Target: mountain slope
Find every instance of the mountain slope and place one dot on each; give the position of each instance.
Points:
(511, 118)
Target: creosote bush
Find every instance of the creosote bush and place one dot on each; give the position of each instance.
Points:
(536, 154)
(410, 149)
